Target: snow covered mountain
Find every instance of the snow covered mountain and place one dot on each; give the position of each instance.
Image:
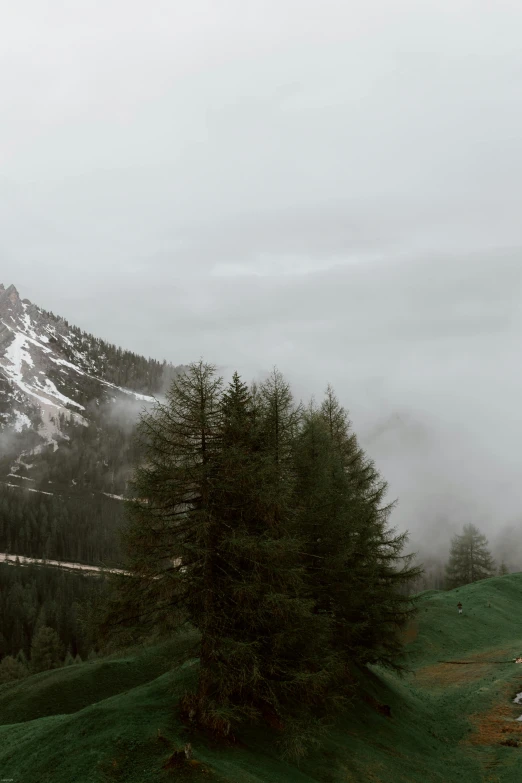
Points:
(55, 380)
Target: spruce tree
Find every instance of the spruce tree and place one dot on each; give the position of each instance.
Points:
(212, 540)
(320, 492)
(470, 558)
(46, 650)
(296, 646)
(367, 572)
(234, 686)
(173, 536)
(169, 520)
(229, 679)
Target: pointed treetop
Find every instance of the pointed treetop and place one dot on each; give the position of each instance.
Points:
(335, 415)
(276, 387)
(236, 382)
(236, 392)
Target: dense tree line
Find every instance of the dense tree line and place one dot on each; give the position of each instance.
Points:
(114, 364)
(80, 528)
(76, 521)
(97, 458)
(262, 524)
(33, 597)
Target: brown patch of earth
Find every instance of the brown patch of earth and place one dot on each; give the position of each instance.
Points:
(498, 725)
(444, 674)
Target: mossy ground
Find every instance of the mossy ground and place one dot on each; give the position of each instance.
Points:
(98, 722)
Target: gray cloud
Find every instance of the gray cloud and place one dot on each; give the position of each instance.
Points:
(261, 183)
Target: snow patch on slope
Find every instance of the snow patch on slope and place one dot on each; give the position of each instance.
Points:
(136, 395)
(17, 354)
(21, 421)
(50, 387)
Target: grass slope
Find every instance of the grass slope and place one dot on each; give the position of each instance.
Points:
(98, 722)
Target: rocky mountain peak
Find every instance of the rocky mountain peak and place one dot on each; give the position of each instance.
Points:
(9, 299)
(52, 373)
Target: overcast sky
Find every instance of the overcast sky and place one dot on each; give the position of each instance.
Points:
(331, 187)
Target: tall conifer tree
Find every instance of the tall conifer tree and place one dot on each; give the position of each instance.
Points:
(320, 498)
(295, 648)
(470, 558)
(371, 607)
(171, 532)
(213, 532)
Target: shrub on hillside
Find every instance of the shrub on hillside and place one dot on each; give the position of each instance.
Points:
(69, 660)
(11, 669)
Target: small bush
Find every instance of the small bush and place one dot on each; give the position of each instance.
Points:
(11, 669)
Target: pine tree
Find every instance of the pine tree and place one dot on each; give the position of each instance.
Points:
(369, 602)
(46, 650)
(503, 569)
(470, 559)
(320, 492)
(212, 540)
(168, 514)
(296, 634)
(229, 663)
(172, 535)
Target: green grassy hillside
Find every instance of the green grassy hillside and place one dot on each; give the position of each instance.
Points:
(98, 721)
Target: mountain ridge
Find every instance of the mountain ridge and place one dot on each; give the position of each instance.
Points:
(69, 404)
(48, 368)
